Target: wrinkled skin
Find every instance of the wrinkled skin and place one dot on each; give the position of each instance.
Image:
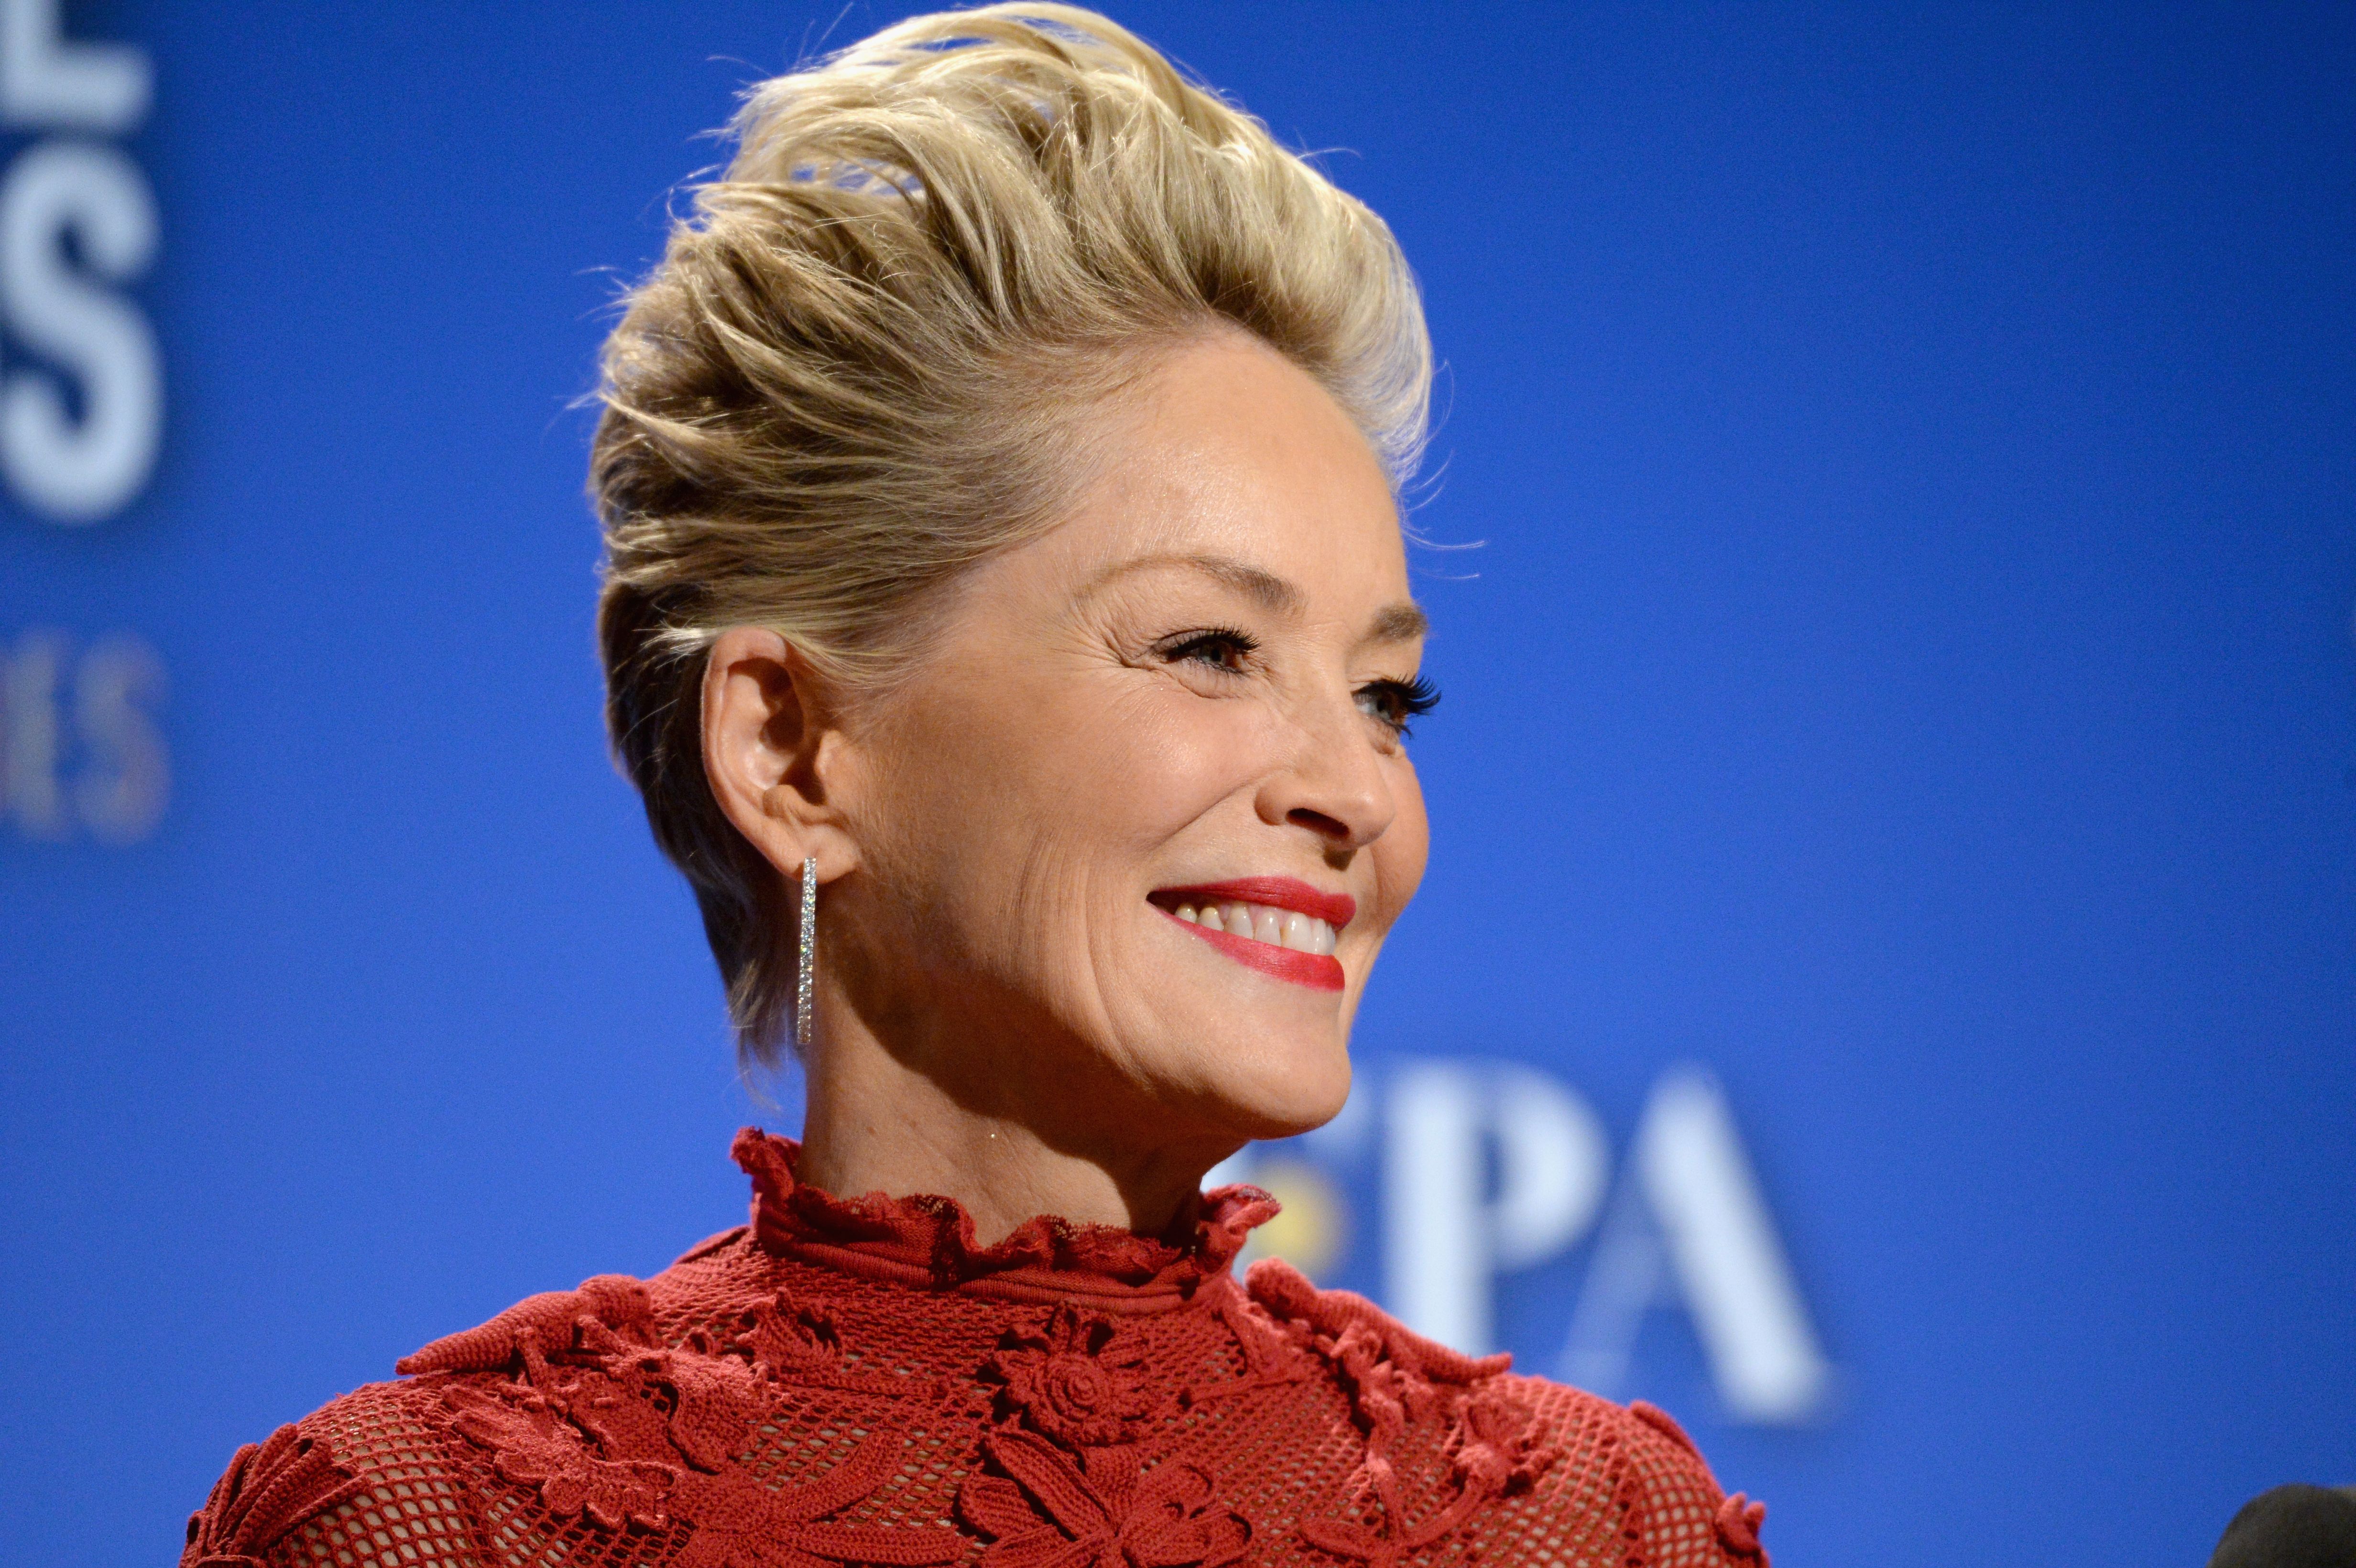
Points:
(1193, 677)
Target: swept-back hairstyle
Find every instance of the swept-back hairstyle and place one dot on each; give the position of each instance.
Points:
(859, 368)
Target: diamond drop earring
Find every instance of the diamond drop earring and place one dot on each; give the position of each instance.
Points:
(804, 970)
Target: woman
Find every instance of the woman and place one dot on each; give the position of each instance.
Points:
(1007, 625)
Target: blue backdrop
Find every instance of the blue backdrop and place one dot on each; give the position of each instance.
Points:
(1893, 909)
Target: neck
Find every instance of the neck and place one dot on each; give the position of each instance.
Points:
(878, 1120)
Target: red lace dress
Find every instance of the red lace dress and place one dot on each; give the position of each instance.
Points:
(854, 1382)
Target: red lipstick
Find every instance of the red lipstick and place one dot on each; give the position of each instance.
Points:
(1316, 970)
(1336, 910)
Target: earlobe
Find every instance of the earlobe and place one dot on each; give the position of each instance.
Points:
(764, 728)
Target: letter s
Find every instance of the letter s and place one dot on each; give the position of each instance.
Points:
(123, 794)
(78, 473)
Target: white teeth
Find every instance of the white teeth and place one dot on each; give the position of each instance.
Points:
(1284, 928)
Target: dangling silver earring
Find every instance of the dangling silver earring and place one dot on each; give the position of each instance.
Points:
(805, 976)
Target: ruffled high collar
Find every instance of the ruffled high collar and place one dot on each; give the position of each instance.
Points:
(928, 1242)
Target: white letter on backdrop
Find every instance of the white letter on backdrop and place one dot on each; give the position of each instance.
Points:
(29, 790)
(1446, 1239)
(77, 472)
(45, 81)
(1723, 1247)
(129, 782)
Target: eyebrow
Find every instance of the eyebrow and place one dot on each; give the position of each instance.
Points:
(1402, 622)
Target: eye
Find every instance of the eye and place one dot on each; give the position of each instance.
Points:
(1220, 648)
(1394, 703)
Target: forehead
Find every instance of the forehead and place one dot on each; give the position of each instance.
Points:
(1226, 450)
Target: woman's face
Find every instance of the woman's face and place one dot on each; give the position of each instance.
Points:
(1189, 698)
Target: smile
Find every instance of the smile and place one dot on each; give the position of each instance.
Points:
(1263, 923)
(1283, 928)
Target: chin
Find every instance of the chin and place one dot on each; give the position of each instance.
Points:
(1278, 1094)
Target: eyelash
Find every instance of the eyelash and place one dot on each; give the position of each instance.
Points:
(1189, 644)
(1401, 701)
(1408, 700)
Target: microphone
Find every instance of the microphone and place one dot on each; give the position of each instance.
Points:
(2292, 1527)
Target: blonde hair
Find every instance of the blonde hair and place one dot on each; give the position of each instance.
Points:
(858, 367)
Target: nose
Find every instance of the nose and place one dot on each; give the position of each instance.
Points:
(1332, 782)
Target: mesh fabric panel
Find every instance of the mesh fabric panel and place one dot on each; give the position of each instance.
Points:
(784, 1399)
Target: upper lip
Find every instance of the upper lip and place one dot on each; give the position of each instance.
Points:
(1278, 892)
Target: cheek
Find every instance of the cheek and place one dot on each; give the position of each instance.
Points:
(1400, 854)
(1171, 758)
(1131, 767)
(1045, 799)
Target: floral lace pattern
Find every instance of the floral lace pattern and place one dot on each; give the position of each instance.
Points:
(1076, 1489)
(636, 1437)
(269, 1488)
(1397, 1379)
(1079, 1382)
(1049, 1508)
(854, 1382)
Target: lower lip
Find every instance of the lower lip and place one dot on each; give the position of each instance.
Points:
(1318, 971)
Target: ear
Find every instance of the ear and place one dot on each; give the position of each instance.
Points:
(770, 744)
